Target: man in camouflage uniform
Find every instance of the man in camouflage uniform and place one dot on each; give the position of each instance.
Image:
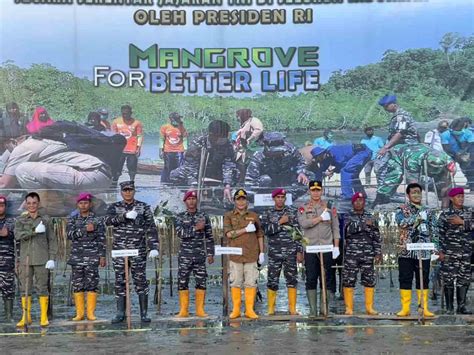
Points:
(455, 226)
(220, 163)
(362, 246)
(132, 221)
(408, 160)
(194, 229)
(283, 251)
(38, 247)
(279, 164)
(87, 234)
(417, 224)
(7, 259)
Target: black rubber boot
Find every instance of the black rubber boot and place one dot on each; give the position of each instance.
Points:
(120, 317)
(8, 306)
(461, 294)
(449, 297)
(143, 299)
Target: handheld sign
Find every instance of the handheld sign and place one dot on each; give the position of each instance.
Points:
(124, 252)
(420, 246)
(312, 249)
(220, 250)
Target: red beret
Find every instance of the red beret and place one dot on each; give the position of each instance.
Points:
(3, 199)
(278, 191)
(188, 194)
(356, 196)
(455, 191)
(84, 196)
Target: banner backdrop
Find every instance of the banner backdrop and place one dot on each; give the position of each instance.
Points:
(221, 94)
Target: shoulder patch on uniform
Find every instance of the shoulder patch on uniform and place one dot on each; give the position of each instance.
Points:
(301, 209)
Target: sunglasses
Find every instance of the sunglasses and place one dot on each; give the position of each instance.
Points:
(127, 189)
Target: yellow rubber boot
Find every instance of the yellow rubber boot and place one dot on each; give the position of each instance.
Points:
(236, 294)
(79, 301)
(250, 294)
(405, 299)
(91, 304)
(200, 300)
(271, 300)
(183, 304)
(426, 312)
(26, 307)
(43, 301)
(369, 301)
(292, 301)
(349, 300)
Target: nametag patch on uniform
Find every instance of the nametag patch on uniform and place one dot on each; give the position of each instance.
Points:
(124, 252)
(312, 249)
(420, 246)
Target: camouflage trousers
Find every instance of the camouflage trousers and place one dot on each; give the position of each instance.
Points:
(137, 266)
(185, 175)
(85, 278)
(352, 264)
(457, 267)
(278, 261)
(7, 284)
(188, 265)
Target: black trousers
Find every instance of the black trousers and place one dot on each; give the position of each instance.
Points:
(132, 165)
(172, 160)
(407, 267)
(313, 271)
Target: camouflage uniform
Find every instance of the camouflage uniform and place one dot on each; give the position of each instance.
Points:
(282, 248)
(362, 243)
(195, 247)
(455, 242)
(87, 248)
(402, 122)
(414, 229)
(221, 163)
(132, 234)
(7, 259)
(408, 160)
(266, 171)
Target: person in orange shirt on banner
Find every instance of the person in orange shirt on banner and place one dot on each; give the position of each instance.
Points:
(132, 130)
(172, 152)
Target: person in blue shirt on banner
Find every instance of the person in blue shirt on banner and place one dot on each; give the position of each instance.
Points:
(325, 141)
(374, 143)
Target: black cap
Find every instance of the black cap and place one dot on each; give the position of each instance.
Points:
(240, 193)
(315, 185)
(127, 185)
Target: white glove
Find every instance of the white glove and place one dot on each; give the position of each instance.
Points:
(335, 252)
(250, 228)
(423, 215)
(40, 228)
(261, 258)
(434, 257)
(49, 265)
(131, 214)
(326, 216)
(153, 254)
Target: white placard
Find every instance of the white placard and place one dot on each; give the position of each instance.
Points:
(220, 250)
(420, 246)
(124, 252)
(267, 200)
(311, 249)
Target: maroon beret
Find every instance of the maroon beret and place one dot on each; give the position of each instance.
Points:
(188, 194)
(3, 199)
(278, 191)
(84, 196)
(455, 191)
(356, 196)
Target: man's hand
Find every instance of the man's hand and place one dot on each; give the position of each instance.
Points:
(153, 254)
(299, 257)
(261, 258)
(138, 152)
(325, 216)
(200, 225)
(335, 252)
(210, 259)
(102, 261)
(382, 151)
(328, 173)
(369, 222)
(90, 227)
(4, 232)
(40, 228)
(227, 194)
(50, 265)
(378, 259)
(284, 219)
(250, 228)
(456, 220)
(303, 179)
(441, 256)
(131, 214)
